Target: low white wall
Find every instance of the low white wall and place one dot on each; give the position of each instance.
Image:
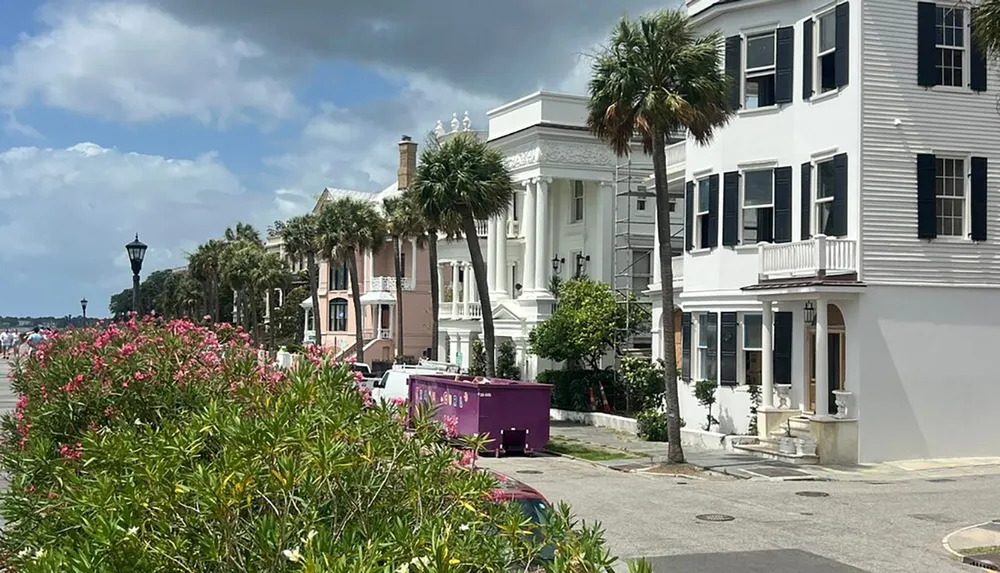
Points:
(690, 437)
(927, 366)
(731, 408)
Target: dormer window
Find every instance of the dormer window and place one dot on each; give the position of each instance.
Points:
(758, 90)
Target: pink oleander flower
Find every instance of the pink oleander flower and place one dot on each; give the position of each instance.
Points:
(496, 496)
(71, 453)
(468, 458)
(450, 427)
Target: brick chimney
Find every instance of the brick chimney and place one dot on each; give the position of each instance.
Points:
(407, 162)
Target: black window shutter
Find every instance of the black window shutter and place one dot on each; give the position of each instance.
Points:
(926, 203)
(765, 225)
(734, 69)
(727, 350)
(842, 37)
(978, 197)
(782, 204)
(977, 61)
(731, 209)
(838, 213)
(805, 192)
(782, 348)
(686, 345)
(713, 213)
(926, 44)
(689, 216)
(807, 59)
(784, 61)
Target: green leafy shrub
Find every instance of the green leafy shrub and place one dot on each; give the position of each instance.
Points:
(581, 390)
(507, 367)
(704, 392)
(477, 358)
(651, 425)
(644, 382)
(227, 466)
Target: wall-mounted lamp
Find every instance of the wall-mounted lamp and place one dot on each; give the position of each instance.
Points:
(518, 287)
(581, 259)
(810, 313)
(557, 263)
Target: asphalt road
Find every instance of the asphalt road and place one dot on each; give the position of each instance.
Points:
(862, 527)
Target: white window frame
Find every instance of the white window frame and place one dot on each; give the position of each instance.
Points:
(758, 72)
(744, 207)
(698, 214)
(700, 362)
(814, 222)
(963, 49)
(339, 301)
(743, 348)
(965, 178)
(577, 208)
(818, 53)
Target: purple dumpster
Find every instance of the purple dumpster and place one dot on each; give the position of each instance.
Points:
(515, 414)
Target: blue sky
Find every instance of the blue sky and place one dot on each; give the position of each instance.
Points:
(177, 118)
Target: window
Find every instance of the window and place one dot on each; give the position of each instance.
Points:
(753, 326)
(759, 86)
(338, 277)
(708, 335)
(823, 197)
(576, 210)
(338, 315)
(826, 44)
(758, 206)
(672, 205)
(702, 208)
(402, 263)
(950, 35)
(642, 269)
(949, 196)
(640, 203)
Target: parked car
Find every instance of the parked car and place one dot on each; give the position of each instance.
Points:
(529, 500)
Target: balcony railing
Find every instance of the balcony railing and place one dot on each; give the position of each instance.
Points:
(819, 256)
(473, 310)
(388, 284)
(513, 228)
(482, 227)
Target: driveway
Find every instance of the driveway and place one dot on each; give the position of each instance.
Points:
(778, 527)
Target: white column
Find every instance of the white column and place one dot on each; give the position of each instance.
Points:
(454, 289)
(440, 284)
(413, 263)
(366, 281)
(491, 254)
(656, 253)
(822, 359)
(767, 356)
(528, 230)
(542, 234)
(467, 288)
(501, 272)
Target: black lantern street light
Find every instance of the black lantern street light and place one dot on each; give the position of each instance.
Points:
(136, 252)
(83, 308)
(810, 313)
(557, 263)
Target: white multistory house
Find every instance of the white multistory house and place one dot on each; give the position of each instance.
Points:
(571, 215)
(842, 248)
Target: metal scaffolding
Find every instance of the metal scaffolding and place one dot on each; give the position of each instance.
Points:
(632, 258)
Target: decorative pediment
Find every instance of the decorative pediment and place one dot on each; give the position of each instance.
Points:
(503, 311)
(556, 153)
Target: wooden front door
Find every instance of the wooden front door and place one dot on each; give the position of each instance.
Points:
(836, 365)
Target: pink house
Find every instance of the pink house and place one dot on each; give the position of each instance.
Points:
(378, 287)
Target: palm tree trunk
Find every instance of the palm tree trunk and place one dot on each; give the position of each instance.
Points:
(314, 292)
(432, 255)
(397, 249)
(359, 333)
(675, 453)
(479, 269)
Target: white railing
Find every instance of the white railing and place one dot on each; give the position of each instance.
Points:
(383, 333)
(473, 310)
(444, 312)
(388, 284)
(676, 154)
(513, 228)
(482, 227)
(818, 256)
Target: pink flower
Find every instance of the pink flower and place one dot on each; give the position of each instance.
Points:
(71, 453)
(468, 458)
(496, 496)
(450, 427)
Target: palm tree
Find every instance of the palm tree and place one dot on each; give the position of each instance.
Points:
(205, 264)
(301, 238)
(464, 180)
(986, 28)
(402, 222)
(347, 227)
(654, 77)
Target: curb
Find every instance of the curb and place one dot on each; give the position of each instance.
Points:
(955, 554)
(586, 461)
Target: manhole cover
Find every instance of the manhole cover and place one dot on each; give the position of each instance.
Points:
(776, 472)
(717, 517)
(812, 493)
(940, 480)
(531, 472)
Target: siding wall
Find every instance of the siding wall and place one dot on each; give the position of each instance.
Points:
(936, 120)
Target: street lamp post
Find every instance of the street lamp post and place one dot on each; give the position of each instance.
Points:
(83, 307)
(136, 252)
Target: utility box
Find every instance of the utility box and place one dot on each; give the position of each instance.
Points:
(514, 414)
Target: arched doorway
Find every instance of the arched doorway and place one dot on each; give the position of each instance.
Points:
(836, 357)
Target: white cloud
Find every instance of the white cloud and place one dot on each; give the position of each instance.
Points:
(14, 127)
(66, 214)
(128, 61)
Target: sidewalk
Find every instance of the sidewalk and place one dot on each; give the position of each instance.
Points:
(748, 466)
(978, 545)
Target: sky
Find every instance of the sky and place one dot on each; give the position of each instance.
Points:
(175, 119)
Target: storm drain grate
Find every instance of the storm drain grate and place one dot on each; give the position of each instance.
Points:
(715, 517)
(991, 562)
(812, 494)
(530, 472)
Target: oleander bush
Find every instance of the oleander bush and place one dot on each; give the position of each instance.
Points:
(149, 446)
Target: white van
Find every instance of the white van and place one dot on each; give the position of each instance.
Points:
(395, 383)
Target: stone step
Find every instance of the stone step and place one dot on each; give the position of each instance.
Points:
(768, 449)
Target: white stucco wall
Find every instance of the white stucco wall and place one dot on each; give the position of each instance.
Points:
(731, 409)
(930, 384)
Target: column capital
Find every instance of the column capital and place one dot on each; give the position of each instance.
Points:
(545, 180)
(529, 182)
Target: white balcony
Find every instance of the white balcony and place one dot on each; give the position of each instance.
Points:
(513, 228)
(482, 227)
(473, 310)
(819, 256)
(388, 284)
